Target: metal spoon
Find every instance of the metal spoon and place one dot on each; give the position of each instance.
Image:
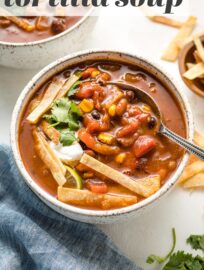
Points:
(162, 129)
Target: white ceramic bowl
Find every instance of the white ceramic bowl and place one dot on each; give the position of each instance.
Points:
(37, 54)
(73, 212)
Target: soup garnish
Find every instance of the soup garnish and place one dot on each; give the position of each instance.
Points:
(95, 145)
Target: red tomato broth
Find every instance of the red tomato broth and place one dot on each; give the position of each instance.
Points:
(14, 34)
(163, 160)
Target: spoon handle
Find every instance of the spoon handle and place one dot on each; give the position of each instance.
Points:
(190, 147)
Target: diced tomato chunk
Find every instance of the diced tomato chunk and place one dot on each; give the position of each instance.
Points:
(87, 73)
(87, 90)
(129, 129)
(143, 145)
(96, 186)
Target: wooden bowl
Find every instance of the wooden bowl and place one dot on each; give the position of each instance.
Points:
(186, 56)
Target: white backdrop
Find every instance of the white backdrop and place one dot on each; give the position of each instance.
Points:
(151, 233)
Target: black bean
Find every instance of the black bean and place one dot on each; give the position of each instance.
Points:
(130, 95)
(152, 122)
(110, 67)
(67, 73)
(58, 26)
(96, 115)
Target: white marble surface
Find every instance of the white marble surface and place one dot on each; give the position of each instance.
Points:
(184, 211)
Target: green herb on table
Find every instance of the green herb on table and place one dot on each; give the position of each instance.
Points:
(181, 260)
(154, 258)
(196, 242)
(184, 261)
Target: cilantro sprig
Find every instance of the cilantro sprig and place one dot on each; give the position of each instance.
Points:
(155, 258)
(184, 261)
(181, 260)
(196, 241)
(64, 116)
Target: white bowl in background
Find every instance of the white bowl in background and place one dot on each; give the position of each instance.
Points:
(94, 216)
(37, 54)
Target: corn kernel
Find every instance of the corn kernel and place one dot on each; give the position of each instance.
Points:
(86, 105)
(120, 158)
(112, 110)
(106, 138)
(87, 175)
(146, 108)
(95, 73)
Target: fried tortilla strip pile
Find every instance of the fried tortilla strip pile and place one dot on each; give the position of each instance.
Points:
(196, 70)
(171, 54)
(144, 187)
(49, 158)
(87, 198)
(193, 176)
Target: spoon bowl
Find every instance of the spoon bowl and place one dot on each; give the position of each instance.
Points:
(162, 129)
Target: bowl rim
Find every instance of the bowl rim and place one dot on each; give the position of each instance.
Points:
(49, 39)
(182, 67)
(46, 197)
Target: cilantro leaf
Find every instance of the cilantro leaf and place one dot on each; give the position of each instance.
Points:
(75, 109)
(73, 121)
(50, 118)
(73, 89)
(60, 110)
(152, 258)
(184, 261)
(65, 118)
(196, 242)
(67, 137)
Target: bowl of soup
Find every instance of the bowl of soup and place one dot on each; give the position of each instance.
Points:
(33, 42)
(90, 150)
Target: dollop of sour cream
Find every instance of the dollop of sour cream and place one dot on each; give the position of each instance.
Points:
(73, 152)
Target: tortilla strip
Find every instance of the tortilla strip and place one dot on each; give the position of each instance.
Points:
(196, 181)
(195, 72)
(199, 139)
(173, 49)
(190, 65)
(197, 57)
(51, 132)
(48, 156)
(56, 89)
(144, 187)
(191, 170)
(46, 102)
(200, 49)
(166, 21)
(191, 38)
(68, 84)
(21, 23)
(87, 198)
